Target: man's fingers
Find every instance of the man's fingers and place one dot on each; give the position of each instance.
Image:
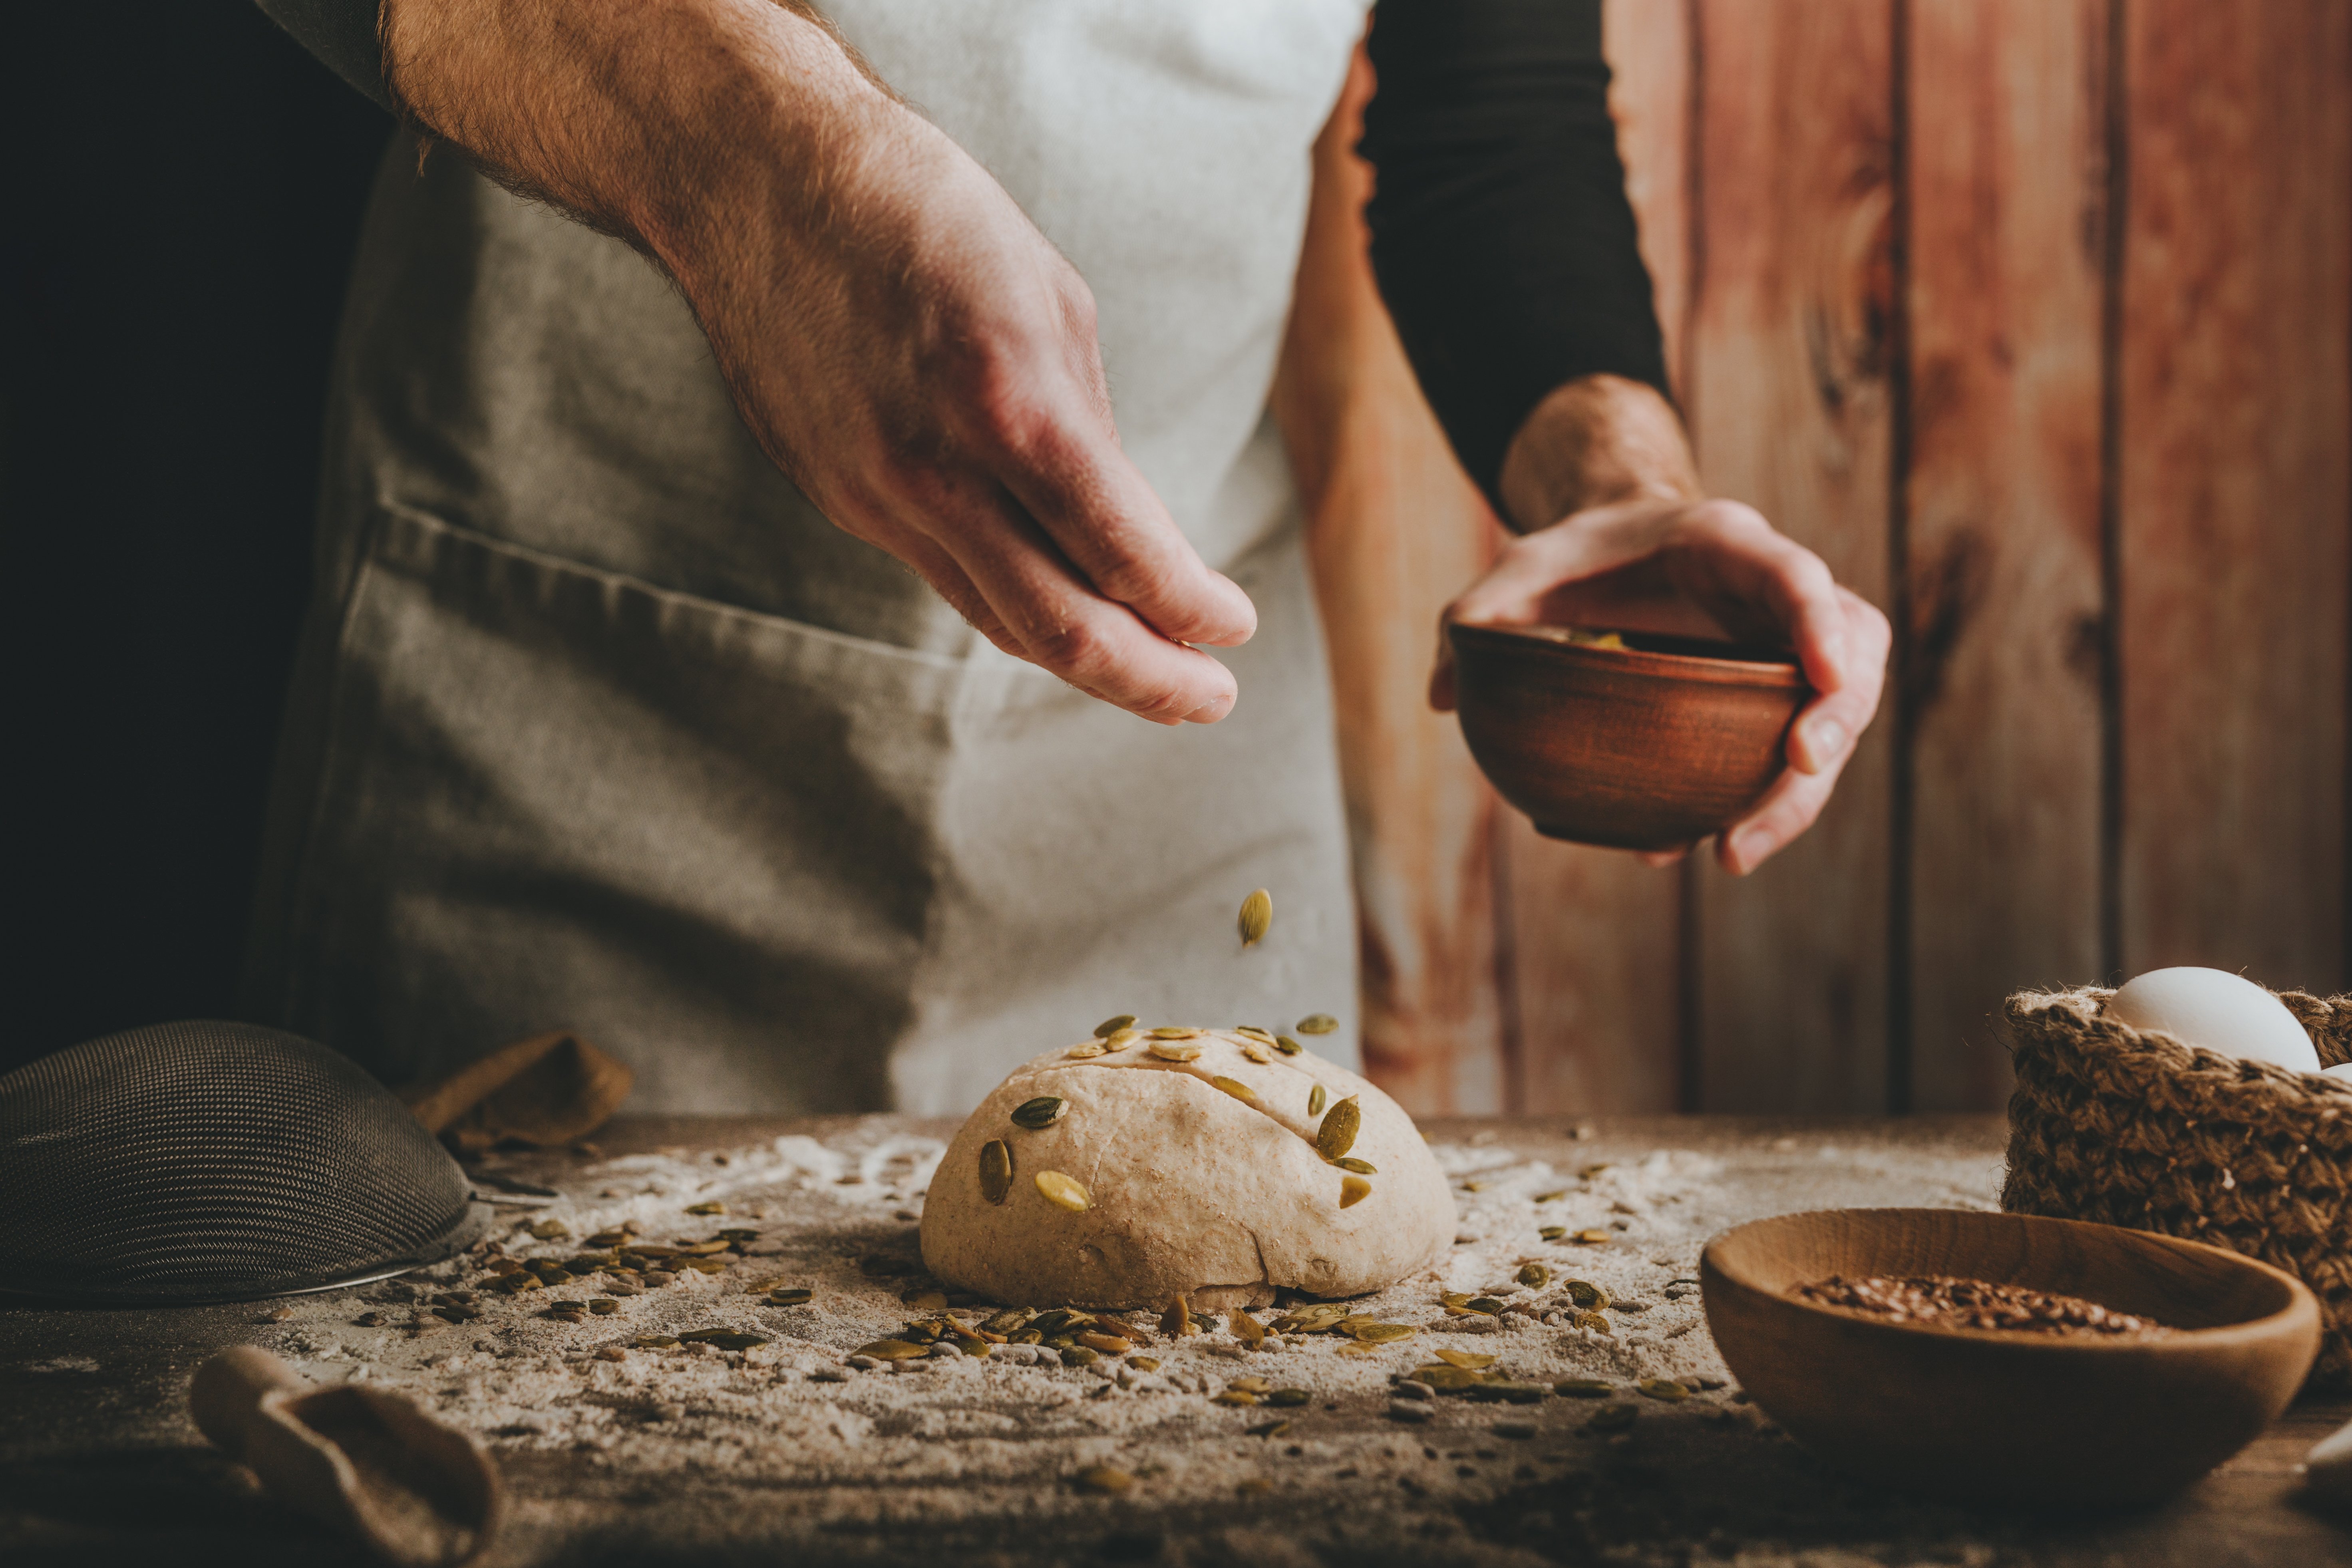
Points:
(1062, 626)
(1533, 567)
(1830, 727)
(1088, 497)
(1787, 808)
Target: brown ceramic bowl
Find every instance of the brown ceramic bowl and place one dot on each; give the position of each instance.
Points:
(1989, 1416)
(1651, 746)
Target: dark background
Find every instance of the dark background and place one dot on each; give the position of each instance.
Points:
(187, 187)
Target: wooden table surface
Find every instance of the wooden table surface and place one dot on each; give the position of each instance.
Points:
(99, 1462)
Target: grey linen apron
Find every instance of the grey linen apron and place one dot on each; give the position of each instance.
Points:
(600, 724)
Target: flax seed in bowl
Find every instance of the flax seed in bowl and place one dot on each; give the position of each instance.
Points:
(1995, 1358)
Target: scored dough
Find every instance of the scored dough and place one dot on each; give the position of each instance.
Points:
(1193, 1191)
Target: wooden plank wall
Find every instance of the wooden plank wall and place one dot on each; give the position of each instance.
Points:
(2034, 318)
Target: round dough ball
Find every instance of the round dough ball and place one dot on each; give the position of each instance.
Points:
(1192, 1191)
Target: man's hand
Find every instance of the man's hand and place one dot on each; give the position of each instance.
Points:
(1637, 548)
(898, 336)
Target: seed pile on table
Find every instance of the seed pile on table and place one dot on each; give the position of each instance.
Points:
(1949, 1302)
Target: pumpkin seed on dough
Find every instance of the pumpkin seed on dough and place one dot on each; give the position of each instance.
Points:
(1361, 1167)
(1113, 1024)
(1235, 1088)
(1256, 916)
(1337, 1133)
(995, 1170)
(1041, 1112)
(1353, 1190)
(1316, 1098)
(1065, 1191)
(1123, 1040)
(1181, 1050)
(1317, 1024)
(1256, 1053)
(1085, 1049)
(1286, 1046)
(1175, 1032)
(1265, 1034)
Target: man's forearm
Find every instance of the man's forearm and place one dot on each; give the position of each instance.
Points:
(1596, 439)
(635, 115)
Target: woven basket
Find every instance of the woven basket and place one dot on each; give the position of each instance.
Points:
(2110, 1124)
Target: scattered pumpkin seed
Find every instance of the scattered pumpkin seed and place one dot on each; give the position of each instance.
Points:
(710, 1248)
(1286, 1046)
(924, 1301)
(1451, 1379)
(1080, 1355)
(797, 1295)
(1113, 1024)
(1589, 1238)
(1041, 1112)
(726, 1339)
(1666, 1390)
(1586, 1294)
(891, 1350)
(1252, 1385)
(654, 1343)
(1486, 1304)
(1317, 1024)
(1613, 1419)
(1109, 1344)
(712, 1207)
(1235, 1088)
(995, 1170)
(1144, 1362)
(1584, 1388)
(1178, 1318)
(1315, 1099)
(700, 1264)
(1361, 1167)
(1285, 1398)
(1182, 1050)
(1249, 1329)
(1552, 1232)
(549, 1229)
(515, 1283)
(1337, 1133)
(1064, 1192)
(1469, 1360)
(1534, 1276)
(1551, 1197)
(1475, 1186)
(1256, 916)
(1085, 1048)
(1378, 1333)
(1234, 1396)
(1103, 1478)
(1598, 1321)
(1270, 1429)
(603, 1306)
(1353, 1190)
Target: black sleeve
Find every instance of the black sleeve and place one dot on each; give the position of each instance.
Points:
(1502, 237)
(341, 33)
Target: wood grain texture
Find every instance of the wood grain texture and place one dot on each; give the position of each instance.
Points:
(1395, 530)
(2235, 406)
(1593, 968)
(1789, 399)
(2006, 173)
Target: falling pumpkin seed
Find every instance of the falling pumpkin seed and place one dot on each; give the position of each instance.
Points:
(1316, 1098)
(1181, 1050)
(1353, 1190)
(995, 1170)
(1235, 1088)
(1534, 1276)
(1256, 916)
(1286, 1046)
(1361, 1167)
(1337, 1133)
(1317, 1024)
(1041, 1112)
(1064, 1192)
(1113, 1024)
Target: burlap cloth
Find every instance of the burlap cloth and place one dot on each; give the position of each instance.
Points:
(2110, 1124)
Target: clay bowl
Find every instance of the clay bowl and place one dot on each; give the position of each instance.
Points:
(1653, 746)
(1988, 1416)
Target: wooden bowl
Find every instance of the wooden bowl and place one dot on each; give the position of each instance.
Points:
(1988, 1416)
(1651, 746)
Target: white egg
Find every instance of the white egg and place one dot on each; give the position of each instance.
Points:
(2221, 1012)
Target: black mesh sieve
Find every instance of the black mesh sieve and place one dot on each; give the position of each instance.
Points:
(211, 1161)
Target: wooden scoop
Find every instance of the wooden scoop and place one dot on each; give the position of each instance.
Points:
(367, 1463)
